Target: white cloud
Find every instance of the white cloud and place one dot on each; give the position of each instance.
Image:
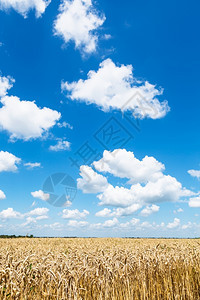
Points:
(77, 21)
(10, 213)
(30, 220)
(40, 195)
(187, 193)
(40, 211)
(194, 173)
(74, 214)
(8, 162)
(129, 210)
(61, 145)
(133, 222)
(5, 84)
(55, 226)
(194, 202)
(91, 182)
(64, 125)
(119, 212)
(24, 6)
(135, 225)
(165, 189)
(107, 36)
(188, 225)
(24, 119)
(146, 184)
(103, 213)
(74, 223)
(30, 165)
(117, 196)
(148, 210)
(32, 216)
(2, 195)
(146, 225)
(114, 87)
(110, 223)
(122, 163)
(174, 224)
(179, 210)
(107, 224)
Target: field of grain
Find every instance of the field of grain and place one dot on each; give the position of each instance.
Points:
(99, 269)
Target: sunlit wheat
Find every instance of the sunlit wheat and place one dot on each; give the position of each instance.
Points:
(99, 269)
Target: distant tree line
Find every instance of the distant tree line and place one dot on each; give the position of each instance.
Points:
(13, 236)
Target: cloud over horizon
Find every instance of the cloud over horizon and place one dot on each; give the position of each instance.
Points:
(145, 187)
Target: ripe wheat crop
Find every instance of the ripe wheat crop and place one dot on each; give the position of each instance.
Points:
(99, 269)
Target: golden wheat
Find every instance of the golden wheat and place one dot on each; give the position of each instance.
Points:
(99, 269)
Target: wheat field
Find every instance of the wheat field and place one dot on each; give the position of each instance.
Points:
(45, 268)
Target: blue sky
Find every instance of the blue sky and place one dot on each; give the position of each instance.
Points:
(81, 62)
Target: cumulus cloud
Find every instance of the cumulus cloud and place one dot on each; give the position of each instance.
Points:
(103, 213)
(110, 223)
(75, 223)
(35, 215)
(30, 220)
(148, 210)
(5, 84)
(10, 213)
(130, 223)
(91, 182)
(188, 225)
(119, 212)
(40, 211)
(24, 119)
(194, 202)
(54, 226)
(2, 195)
(64, 125)
(30, 165)
(32, 216)
(61, 145)
(107, 224)
(122, 163)
(125, 211)
(115, 87)
(145, 187)
(179, 210)
(78, 21)
(40, 195)
(165, 189)
(24, 6)
(117, 196)
(74, 214)
(8, 162)
(194, 173)
(174, 224)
